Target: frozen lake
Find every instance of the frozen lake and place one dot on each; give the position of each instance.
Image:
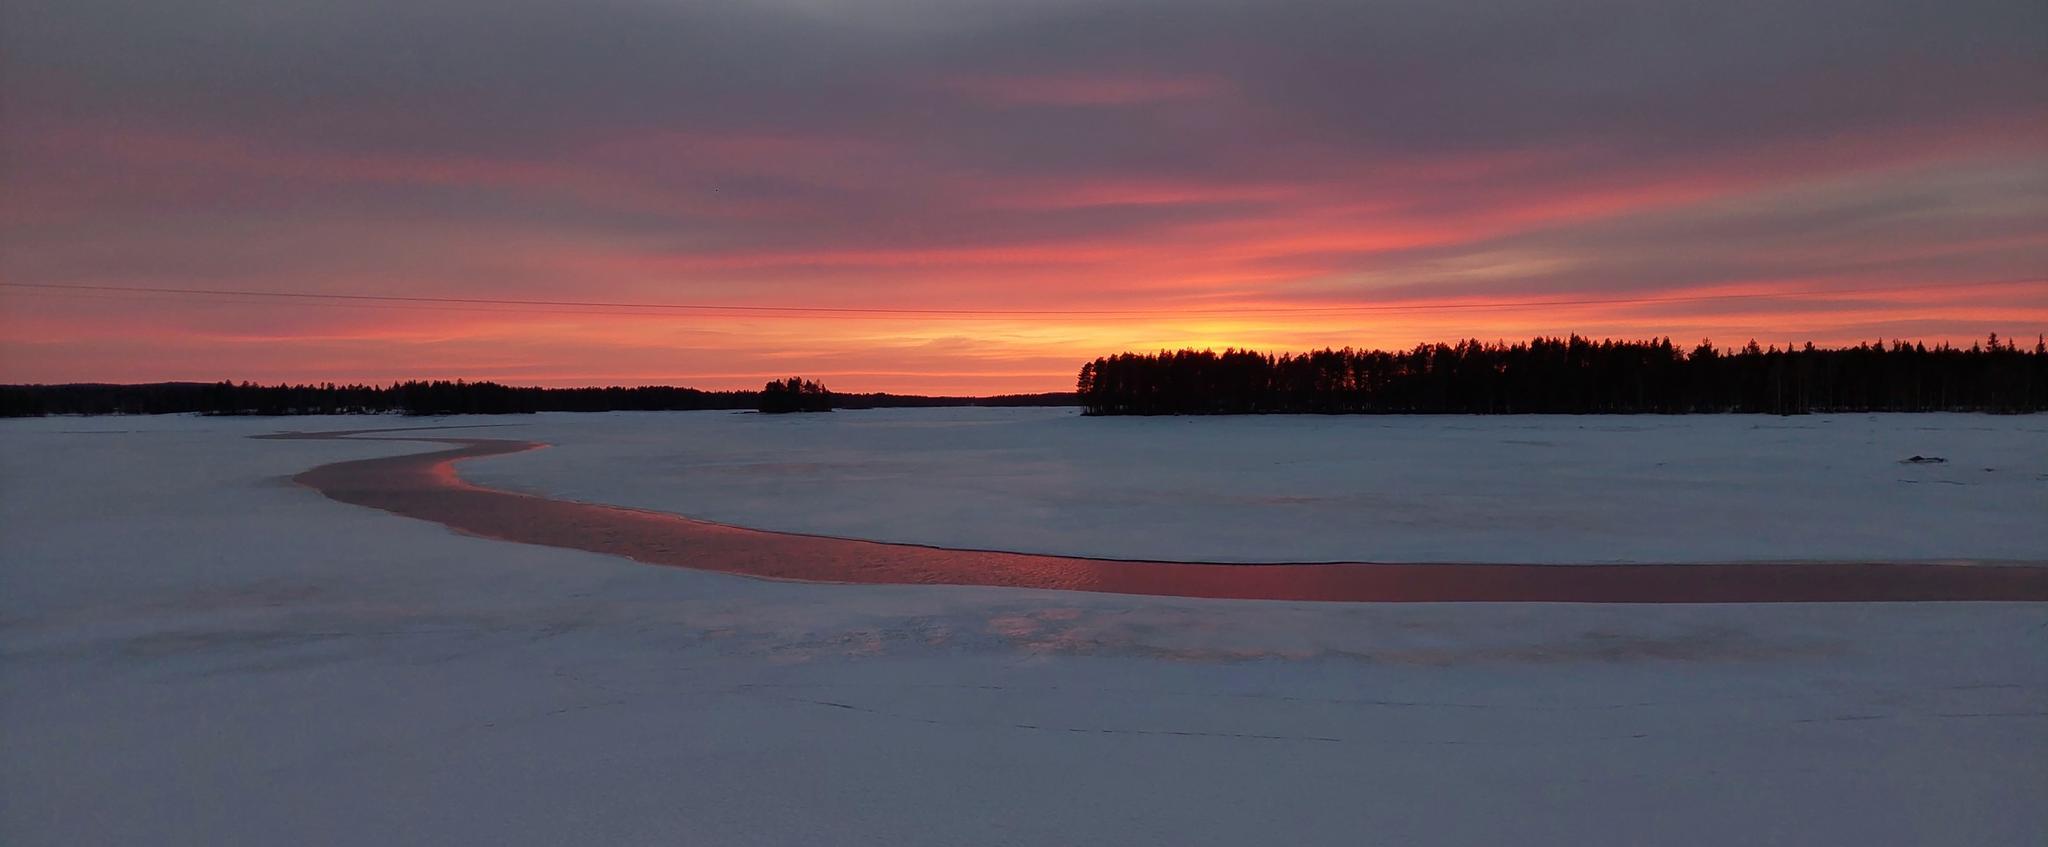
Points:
(1547, 489)
(194, 650)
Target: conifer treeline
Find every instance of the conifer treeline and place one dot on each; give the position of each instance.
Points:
(1575, 376)
(794, 394)
(421, 398)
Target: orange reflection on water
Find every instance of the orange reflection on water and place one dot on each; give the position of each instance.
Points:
(425, 486)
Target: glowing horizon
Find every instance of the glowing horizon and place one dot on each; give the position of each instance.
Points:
(1005, 159)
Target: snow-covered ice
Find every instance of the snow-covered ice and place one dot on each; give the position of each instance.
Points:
(1550, 489)
(193, 650)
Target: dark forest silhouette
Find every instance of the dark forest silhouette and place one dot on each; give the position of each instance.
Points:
(1575, 376)
(794, 394)
(1546, 375)
(424, 398)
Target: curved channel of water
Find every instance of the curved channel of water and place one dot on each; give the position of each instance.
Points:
(425, 486)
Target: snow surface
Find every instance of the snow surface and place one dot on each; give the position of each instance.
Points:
(193, 650)
(1550, 489)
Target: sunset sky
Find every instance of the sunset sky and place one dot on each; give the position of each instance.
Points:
(975, 197)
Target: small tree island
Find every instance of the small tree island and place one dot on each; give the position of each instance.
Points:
(794, 395)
